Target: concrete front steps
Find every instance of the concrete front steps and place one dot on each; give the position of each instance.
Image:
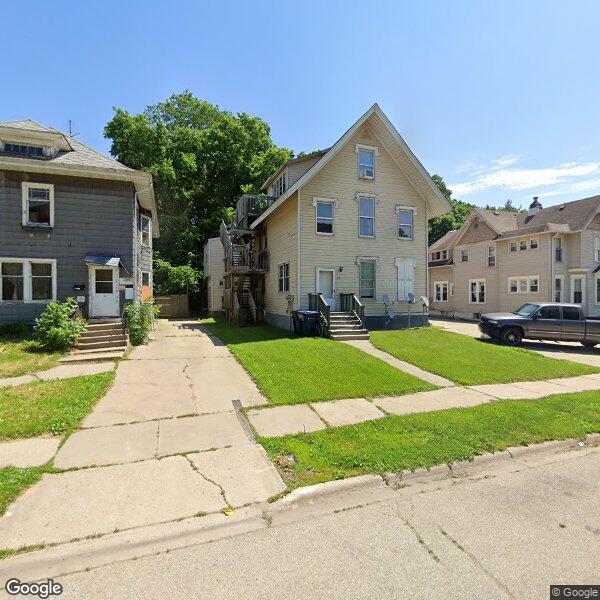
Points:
(98, 343)
(346, 326)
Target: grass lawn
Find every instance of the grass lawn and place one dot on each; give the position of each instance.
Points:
(19, 356)
(290, 369)
(54, 407)
(427, 439)
(13, 481)
(469, 361)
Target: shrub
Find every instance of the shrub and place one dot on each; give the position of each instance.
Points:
(138, 319)
(59, 325)
(168, 279)
(16, 330)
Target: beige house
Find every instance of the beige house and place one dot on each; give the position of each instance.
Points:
(337, 231)
(499, 260)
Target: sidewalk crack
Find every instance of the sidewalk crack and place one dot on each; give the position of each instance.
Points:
(220, 487)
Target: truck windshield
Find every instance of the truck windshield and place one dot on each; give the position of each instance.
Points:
(526, 310)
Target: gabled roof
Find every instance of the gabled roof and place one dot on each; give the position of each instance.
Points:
(395, 146)
(444, 242)
(298, 159)
(73, 158)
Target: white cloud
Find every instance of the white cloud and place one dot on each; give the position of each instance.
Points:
(497, 175)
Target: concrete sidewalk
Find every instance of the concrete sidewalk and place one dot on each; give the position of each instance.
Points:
(165, 443)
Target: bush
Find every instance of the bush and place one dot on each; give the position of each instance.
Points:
(168, 279)
(138, 319)
(16, 330)
(60, 325)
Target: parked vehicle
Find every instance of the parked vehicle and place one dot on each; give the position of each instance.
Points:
(542, 321)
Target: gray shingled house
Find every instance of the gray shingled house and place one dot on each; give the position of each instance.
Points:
(73, 223)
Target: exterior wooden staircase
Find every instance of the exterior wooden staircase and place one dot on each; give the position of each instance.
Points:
(100, 342)
(346, 326)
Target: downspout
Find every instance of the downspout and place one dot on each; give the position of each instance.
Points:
(426, 262)
(298, 266)
(551, 295)
(136, 239)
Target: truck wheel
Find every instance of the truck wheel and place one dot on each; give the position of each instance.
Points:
(589, 344)
(511, 336)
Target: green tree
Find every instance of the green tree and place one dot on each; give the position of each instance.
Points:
(508, 206)
(440, 226)
(201, 158)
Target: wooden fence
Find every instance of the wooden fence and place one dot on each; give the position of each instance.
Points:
(177, 305)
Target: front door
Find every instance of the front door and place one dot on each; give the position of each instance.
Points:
(104, 291)
(326, 285)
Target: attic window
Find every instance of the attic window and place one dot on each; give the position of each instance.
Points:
(23, 150)
(366, 161)
(280, 185)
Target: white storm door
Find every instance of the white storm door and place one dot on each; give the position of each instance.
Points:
(326, 285)
(104, 292)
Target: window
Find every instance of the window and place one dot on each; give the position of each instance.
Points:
(558, 248)
(25, 150)
(523, 245)
(441, 291)
(104, 281)
(283, 277)
(476, 291)
(513, 246)
(576, 290)
(25, 280)
(280, 185)
(366, 163)
(12, 281)
(597, 290)
(558, 289)
(523, 285)
(405, 223)
(366, 216)
(146, 279)
(491, 256)
(145, 230)
(533, 244)
(324, 211)
(571, 313)
(439, 255)
(464, 256)
(41, 281)
(597, 249)
(367, 278)
(38, 204)
(549, 312)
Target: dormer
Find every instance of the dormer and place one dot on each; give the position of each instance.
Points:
(30, 140)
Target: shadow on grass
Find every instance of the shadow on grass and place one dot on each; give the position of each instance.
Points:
(233, 334)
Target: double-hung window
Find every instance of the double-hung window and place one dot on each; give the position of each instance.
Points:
(324, 211)
(441, 291)
(367, 278)
(558, 289)
(366, 163)
(558, 249)
(366, 216)
(533, 244)
(283, 277)
(464, 256)
(597, 290)
(513, 246)
(522, 245)
(597, 249)
(491, 256)
(27, 280)
(38, 204)
(145, 230)
(405, 223)
(524, 285)
(476, 291)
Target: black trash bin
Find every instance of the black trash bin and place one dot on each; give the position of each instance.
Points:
(308, 322)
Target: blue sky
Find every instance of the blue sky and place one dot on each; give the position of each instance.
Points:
(500, 98)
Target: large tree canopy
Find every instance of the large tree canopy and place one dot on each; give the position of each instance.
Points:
(201, 158)
(440, 226)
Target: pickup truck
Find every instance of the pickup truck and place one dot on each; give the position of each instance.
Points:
(542, 321)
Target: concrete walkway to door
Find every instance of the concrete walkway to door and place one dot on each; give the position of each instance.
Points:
(164, 444)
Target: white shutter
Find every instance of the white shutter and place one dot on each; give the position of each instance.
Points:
(406, 278)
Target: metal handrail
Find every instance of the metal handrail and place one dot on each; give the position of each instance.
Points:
(359, 309)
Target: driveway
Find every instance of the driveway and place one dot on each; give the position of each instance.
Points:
(165, 443)
(561, 350)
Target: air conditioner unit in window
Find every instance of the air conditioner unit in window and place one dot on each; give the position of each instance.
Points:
(368, 173)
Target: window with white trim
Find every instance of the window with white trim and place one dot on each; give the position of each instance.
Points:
(476, 291)
(23, 149)
(533, 244)
(464, 256)
(522, 245)
(38, 204)
(27, 280)
(513, 246)
(324, 217)
(558, 249)
(145, 230)
(283, 277)
(597, 249)
(439, 255)
(440, 291)
(280, 185)
(558, 289)
(366, 216)
(491, 256)
(529, 284)
(367, 278)
(366, 163)
(405, 223)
